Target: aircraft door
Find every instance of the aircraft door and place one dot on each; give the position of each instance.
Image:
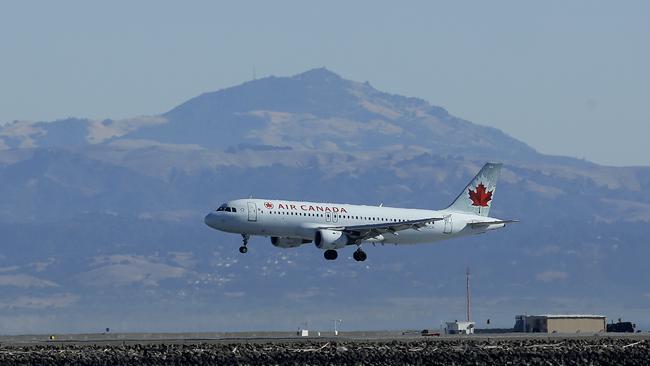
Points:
(335, 217)
(449, 225)
(252, 211)
(328, 217)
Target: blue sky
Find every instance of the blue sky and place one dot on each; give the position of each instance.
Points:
(569, 78)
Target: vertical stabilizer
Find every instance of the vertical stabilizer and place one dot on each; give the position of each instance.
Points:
(478, 196)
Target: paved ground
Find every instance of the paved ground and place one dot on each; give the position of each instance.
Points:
(238, 337)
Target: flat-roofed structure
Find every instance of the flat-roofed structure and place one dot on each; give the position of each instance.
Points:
(457, 327)
(561, 323)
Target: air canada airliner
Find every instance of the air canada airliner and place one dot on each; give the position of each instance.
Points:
(334, 226)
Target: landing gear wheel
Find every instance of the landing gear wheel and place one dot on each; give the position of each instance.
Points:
(243, 249)
(359, 255)
(330, 254)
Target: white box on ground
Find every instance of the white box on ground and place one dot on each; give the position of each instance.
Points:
(457, 327)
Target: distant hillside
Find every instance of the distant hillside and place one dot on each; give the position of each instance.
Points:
(314, 110)
(101, 221)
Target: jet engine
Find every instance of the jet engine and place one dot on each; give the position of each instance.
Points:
(330, 239)
(288, 242)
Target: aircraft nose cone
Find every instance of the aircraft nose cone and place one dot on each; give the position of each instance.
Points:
(211, 220)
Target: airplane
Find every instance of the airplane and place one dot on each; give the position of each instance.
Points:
(333, 226)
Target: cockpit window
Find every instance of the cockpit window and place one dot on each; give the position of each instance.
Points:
(225, 207)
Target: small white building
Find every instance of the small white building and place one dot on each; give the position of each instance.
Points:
(303, 333)
(457, 327)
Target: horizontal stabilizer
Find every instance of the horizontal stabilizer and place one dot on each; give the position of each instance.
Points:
(488, 223)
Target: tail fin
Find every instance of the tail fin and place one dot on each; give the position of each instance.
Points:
(477, 197)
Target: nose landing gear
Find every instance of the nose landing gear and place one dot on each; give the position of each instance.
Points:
(244, 249)
(330, 254)
(359, 255)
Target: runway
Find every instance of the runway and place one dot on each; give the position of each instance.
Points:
(261, 337)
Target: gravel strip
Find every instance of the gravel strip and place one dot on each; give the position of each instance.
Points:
(584, 351)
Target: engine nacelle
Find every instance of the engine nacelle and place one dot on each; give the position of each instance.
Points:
(288, 242)
(330, 239)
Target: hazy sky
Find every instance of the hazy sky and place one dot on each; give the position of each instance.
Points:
(566, 77)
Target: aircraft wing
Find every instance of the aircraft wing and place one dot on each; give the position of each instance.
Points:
(363, 232)
(488, 223)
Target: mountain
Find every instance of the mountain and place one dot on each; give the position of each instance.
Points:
(101, 221)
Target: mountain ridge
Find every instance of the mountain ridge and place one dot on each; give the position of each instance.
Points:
(105, 217)
(255, 104)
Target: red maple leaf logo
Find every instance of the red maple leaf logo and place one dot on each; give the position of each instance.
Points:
(268, 205)
(480, 197)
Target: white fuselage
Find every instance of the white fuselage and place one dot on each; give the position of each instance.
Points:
(291, 219)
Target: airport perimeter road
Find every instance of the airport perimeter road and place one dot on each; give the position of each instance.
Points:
(264, 337)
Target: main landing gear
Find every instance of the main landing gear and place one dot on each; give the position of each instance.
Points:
(330, 254)
(243, 249)
(359, 255)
